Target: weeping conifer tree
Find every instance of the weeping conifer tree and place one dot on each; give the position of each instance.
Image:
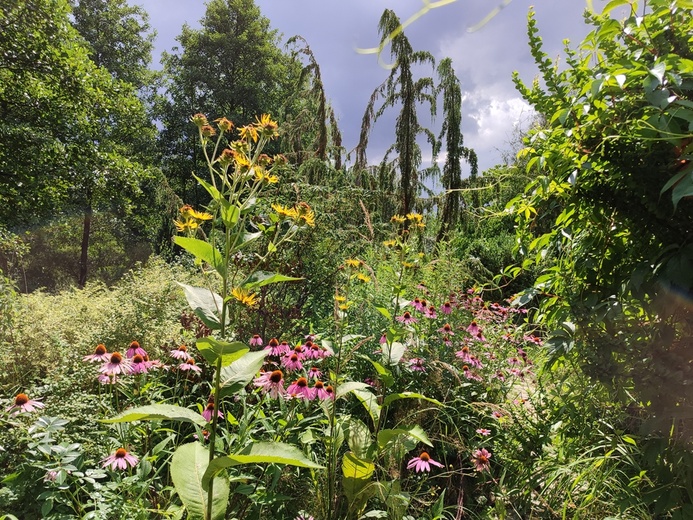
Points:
(401, 88)
(449, 86)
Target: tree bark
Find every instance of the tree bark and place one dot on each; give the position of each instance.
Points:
(84, 256)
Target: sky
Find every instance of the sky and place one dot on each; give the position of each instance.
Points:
(483, 59)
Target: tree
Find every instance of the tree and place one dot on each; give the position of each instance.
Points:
(452, 171)
(401, 88)
(230, 67)
(608, 217)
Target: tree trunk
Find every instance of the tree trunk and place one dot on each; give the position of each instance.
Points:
(84, 256)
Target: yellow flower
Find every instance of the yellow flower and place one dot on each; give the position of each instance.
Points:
(199, 120)
(364, 278)
(245, 297)
(416, 217)
(224, 124)
(248, 132)
(267, 127)
(284, 212)
(208, 131)
(339, 298)
(353, 262)
(304, 215)
(390, 243)
(200, 215)
(188, 224)
(408, 265)
(398, 219)
(264, 177)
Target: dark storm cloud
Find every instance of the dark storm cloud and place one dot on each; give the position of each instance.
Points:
(483, 60)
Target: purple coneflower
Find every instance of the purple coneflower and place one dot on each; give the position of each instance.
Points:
(209, 410)
(480, 459)
(416, 303)
(483, 431)
(464, 354)
(181, 353)
(446, 329)
(299, 388)
(189, 365)
(407, 318)
(100, 354)
(314, 373)
(22, 403)
(276, 349)
(417, 365)
(291, 362)
(256, 341)
(135, 349)
(446, 308)
(120, 459)
(106, 379)
(311, 350)
(115, 365)
(139, 365)
(318, 391)
(299, 351)
(430, 312)
(422, 463)
(272, 383)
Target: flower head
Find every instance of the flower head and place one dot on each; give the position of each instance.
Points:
(318, 391)
(417, 365)
(135, 348)
(116, 365)
(277, 349)
(304, 215)
(299, 388)
(100, 354)
(209, 410)
(406, 318)
(245, 296)
(181, 353)
(483, 431)
(480, 459)
(139, 365)
(256, 341)
(189, 365)
(120, 459)
(446, 308)
(22, 403)
(271, 383)
(291, 361)
(422, 463)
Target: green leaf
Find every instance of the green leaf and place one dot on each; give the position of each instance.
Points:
(213, 192)
(205, 304)
(157, 412)
(415, 432)
(262, 453)
(229, 213)
(350, 386)
(212, 348)
(239, 373)
(188, 465)
(613, 5)
(409, 395)
(392, 353)
(358, 437)
(370, 403)
(684, 188)
(262, 278)
(357, 474)
(384, 374)
(204, 251)
(385, 312)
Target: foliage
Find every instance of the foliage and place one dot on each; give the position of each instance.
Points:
(612, 241)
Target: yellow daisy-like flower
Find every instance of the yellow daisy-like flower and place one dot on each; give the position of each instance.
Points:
(266, 126)
(398, 219)
(248, 132)
(408, 265)
(224, 124)
(264, 177)
(185, 210)
(186, 225)
(415, 217)
(364, 278)
(353, 262)
(200, 215)
(285, 212)
(244, 296)
(304, 215)
(390, 243)
(339, 298)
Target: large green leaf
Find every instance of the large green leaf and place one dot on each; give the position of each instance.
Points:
(157, 412)
(415, 432)
(357, 474)
(205, 304)
(262, 453)
(392, 353)
(409, 395)
(242, 371)
(384, 374)
(370, 403)
(262, 278)
(212, 349)
(204, 251)
(358, 437)
(344, 388)
(188, 466)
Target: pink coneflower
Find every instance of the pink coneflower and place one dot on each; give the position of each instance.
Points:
(138, 365)
(500, 375)
(483, 431)
(256, 341)
(209, 410)
(120, 459)
(300, 352)
(480, 459)
(276, 349)
(100, 354)
(116, 365)
(514, 361)
(447, 341)
(416, 303)
(299, 388)
(496, 414)
(533, 339)
(318, 391)
(422, 463)
(407, 318)
(291, 362)
(189, 365)
(330, 391)
(430, 312)
(474, 329)
(272, 383)
(475, 361)
(314, 373)
(135, 349)
(469, 374)
(324, 353)
(446, 308)
(417, 365)
(383, 339)
(464, 354)
(447, 330)
(22, 403)
(205, 435)
(106, 379)
(181, 353)
(311, 351)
